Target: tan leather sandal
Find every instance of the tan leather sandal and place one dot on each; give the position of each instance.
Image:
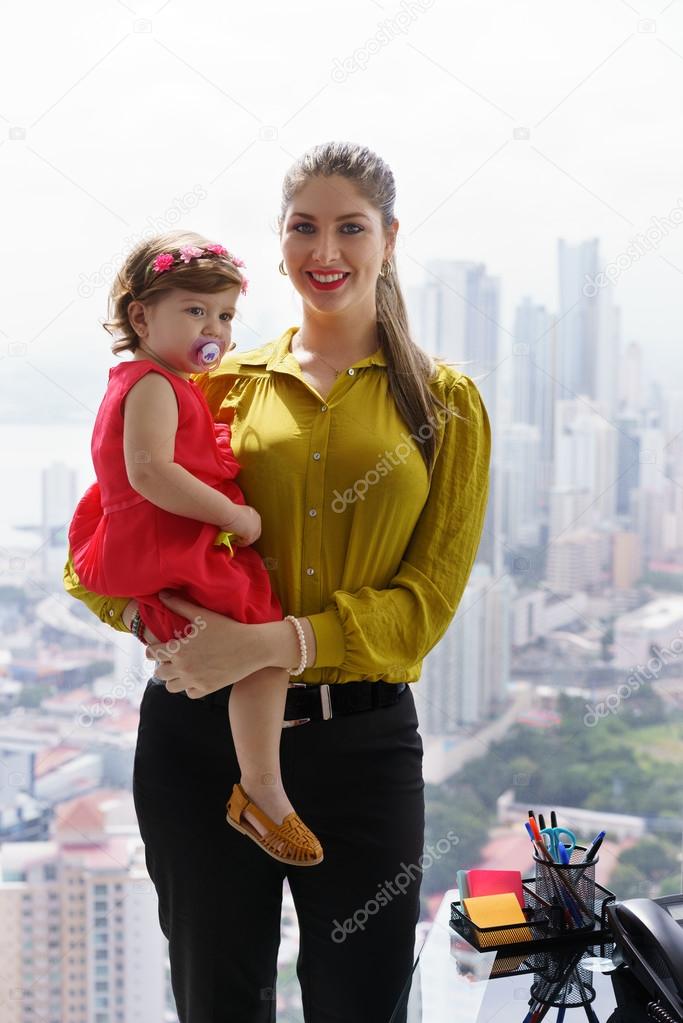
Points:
(290, 842)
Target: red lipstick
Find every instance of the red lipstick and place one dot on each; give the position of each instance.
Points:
(332, 285)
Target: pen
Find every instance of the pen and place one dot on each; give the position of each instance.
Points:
(594, 846)
(553, 819)
(552, 988)
(532, 828)
(541, 821)
(571, 897)
(564, 967)
(562, 853)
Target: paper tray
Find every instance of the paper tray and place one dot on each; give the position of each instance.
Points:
(538, 922)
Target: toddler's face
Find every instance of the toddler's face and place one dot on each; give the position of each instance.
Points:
(191, 330)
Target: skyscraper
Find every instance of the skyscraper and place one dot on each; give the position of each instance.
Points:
(464, 678)
(59, 499)
(588, 327)
(80, 941)
(534, 376)
(455, 315)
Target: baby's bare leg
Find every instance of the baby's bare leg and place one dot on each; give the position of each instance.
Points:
(256, 710)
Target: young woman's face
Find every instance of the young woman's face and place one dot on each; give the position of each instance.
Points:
(334, 243)
(191, 330)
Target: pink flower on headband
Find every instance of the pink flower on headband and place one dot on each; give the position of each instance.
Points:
(164, 261)
(188, 252)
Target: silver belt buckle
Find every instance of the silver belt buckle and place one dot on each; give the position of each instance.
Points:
(325, 703)
(295, 721)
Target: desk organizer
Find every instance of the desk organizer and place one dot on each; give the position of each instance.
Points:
(547, 927)
(569, 888)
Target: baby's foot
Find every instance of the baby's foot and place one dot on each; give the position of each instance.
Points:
(269, 796)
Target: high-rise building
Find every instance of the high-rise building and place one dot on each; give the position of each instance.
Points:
(59, 499)
(626, 560)
(534, 377)
(80, 941)
(521, 499)
(455, 315)
(464, 678)
(587, 327)
(628, 461)
(584, 492)
(578, 560)
(632, 395)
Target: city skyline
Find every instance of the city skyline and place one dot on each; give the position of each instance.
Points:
(519, 136)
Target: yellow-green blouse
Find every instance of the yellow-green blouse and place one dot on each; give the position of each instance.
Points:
(353, 535)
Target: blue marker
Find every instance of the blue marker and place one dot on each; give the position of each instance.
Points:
(594, 846)
(562, 853)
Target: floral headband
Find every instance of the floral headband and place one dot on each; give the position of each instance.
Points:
(176, 257)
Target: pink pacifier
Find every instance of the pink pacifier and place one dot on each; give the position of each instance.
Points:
(207, 350)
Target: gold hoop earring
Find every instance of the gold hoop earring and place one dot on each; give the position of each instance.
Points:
(385, 270)
(281, 268)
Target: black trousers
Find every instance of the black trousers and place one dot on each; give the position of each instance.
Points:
(356, 780)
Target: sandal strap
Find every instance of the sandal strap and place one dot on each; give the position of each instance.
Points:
(292, 830)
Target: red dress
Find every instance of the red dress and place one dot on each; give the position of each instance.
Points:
(124, 546)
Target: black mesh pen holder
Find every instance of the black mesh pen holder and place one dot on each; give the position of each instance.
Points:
(562, 983)
(569, 888)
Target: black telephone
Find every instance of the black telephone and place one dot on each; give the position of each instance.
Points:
(649, 942)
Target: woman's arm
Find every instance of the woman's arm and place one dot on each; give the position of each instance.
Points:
(149, 429)
(227, 652)
(115, 611)
(391, 630)
(372, 631)
(107, 609)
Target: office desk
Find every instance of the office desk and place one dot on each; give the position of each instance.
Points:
(440, 992)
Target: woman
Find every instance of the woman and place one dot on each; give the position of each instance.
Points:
(368, 463)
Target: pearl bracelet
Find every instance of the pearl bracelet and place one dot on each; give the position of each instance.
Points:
(302, 645)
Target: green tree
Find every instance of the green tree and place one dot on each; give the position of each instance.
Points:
(628, 883)
(32, 696)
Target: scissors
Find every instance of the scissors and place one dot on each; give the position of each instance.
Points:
(553, 842)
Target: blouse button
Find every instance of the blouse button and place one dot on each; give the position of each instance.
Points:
(312, 513)
(316, 455)
(323, 408)
(111, 612)
(351, 372)
(310, 571)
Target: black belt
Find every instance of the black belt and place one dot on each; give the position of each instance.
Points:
(320, 702)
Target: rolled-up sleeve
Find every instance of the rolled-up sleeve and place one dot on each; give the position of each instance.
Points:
(391, 630)
(107, 609)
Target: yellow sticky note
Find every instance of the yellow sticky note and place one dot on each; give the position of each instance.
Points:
(497, 911)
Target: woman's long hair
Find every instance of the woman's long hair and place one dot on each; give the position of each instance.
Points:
(410, 369)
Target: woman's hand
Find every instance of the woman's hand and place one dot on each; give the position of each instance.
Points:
(216, 651)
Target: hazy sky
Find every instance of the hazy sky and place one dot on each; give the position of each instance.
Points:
(115, 117)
